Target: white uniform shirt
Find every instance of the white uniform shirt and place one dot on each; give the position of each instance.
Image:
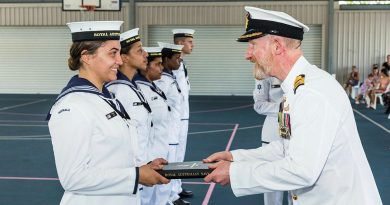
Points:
(94, 151)
(324, 161)
(132, 98)
(160, 116)
(184, 84)
(267, 96)
(170, 87)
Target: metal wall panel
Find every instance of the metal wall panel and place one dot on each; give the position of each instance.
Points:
(51, 14)
(362, 38)
(217, 65)
(223, 13)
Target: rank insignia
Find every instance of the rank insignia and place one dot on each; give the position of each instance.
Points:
(299, 80)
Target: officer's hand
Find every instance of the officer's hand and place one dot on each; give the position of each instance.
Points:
(219, 156)
(220, 174)
(157, 163)
(149, 177)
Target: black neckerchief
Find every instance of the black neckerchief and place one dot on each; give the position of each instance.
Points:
(170, 74)
(77, 84)
(124, 80)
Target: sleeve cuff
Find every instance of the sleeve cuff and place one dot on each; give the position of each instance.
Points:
(136, 180)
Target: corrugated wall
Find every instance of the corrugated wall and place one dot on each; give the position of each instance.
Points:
(51, 14)
(362, 38)
(224, 13)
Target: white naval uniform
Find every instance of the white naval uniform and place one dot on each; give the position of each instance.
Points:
(323, 162)
(184, 84)
(132, 98)
(170, 87)
(267, 96)
(158, 194)
(94, 149)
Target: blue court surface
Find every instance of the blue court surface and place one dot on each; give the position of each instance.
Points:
(28, 174)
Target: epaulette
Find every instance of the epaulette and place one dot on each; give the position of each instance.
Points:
(299, 80)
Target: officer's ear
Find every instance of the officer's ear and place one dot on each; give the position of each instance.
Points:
(278, 45)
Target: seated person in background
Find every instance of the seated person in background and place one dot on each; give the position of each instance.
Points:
(386, 64)
(380, 87)
(376, 74)
(366, 86)
(352, 80)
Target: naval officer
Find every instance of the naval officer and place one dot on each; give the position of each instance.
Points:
(320, 158)
(94, 145)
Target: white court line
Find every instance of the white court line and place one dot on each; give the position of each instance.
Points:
(22, 114)
(23, 104)
(369, 119)
(211, 123)
(42, 121)
(222, 109)
(24, 138)
(224, 130)
(29, 178)
(21, 125)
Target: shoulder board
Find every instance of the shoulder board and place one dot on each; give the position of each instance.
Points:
(299, 80)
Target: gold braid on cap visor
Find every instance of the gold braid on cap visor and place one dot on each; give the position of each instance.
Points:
(251, 35)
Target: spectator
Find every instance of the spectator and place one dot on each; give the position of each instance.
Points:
(353, 80)
(366, 86)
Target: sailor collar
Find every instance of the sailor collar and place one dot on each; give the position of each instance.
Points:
(168, 72)
(77, 84)
(139, 78)
(297, 70)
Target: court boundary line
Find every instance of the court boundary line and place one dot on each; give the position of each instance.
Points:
(372, 121)
(224, 130)
(212, 185)
(23, 104)
(222, 109)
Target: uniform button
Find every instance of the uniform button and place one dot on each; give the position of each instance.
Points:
(295, 197)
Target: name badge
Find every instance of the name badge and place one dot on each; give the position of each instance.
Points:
(111, 115)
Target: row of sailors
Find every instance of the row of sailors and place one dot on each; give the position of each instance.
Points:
(111, 128)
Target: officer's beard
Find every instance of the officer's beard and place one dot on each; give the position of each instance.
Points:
(262, 68)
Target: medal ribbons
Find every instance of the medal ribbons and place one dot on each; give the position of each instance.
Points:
(284, 120)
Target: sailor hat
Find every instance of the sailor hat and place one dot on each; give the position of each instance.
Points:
(129, 37)
(260, 22)
(183, 33)
(171, 47)
(153, 51)
(95, 30)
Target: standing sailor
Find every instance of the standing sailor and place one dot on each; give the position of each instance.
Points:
(168, 84)
(94, 144)
(183, 37)
(127, 91)
(161, 115)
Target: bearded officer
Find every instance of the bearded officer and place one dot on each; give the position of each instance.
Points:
(320, 159)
